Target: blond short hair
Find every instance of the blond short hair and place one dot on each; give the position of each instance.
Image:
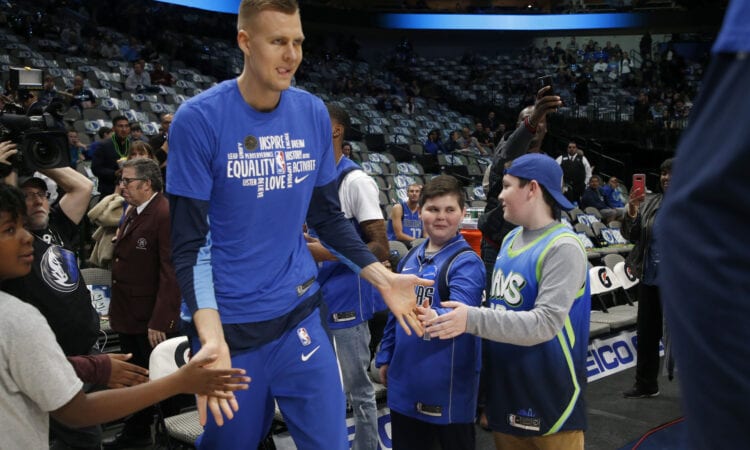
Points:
(249, 8)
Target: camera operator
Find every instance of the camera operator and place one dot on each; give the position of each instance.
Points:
(54, 285)
(30, 103)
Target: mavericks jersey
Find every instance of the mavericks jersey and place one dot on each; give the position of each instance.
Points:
(536, 390)
(411, 224)
(436, 380)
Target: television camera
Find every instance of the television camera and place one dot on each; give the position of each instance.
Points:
(42, 140)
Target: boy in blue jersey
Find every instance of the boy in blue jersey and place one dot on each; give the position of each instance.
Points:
(537, 327)
(432, 384)
(251, 161)
(405, 224)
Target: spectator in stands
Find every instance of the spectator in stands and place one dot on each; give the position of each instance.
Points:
(594, 197)
(109, 50)
(161, 76)
(645, 45)
(572, 45)
(409, 106)
(81, 97)
(600, 66)
(30, 103)
(160, 143)
(638, 227)
(453, 145)
(76, 148)
(104, 133)
(131, 51)
(350, 298)
(140, 149)
(615, 193)
(106, 160)
(433, 145)
(648, 71)
(581, 89)
(39, 384)
(576, 172)
(469, 144)
(492, 126)
(482, 136)
(145, 298)
(626, 71)
(346, 149)
(404, 224)
(139, 80)
(539, 294)
(432, 384)
(136, 133)
(261, 307)
(49, 92)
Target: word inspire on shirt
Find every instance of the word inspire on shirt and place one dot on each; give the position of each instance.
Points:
(280, 163)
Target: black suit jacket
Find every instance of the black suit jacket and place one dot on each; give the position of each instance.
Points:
(104, 165)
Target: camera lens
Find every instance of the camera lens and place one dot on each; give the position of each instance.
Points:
(45, 150)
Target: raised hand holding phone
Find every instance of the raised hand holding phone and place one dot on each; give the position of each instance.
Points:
(637, 194)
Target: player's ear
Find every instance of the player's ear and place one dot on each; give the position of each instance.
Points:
(243, 41)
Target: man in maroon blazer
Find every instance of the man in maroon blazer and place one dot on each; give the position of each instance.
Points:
(145, 302)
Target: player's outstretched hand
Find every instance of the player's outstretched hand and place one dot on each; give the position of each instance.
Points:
(449, 325)
(401, 298)
(209, 374)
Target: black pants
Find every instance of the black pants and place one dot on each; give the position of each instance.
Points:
(408, 433)
(139, 424)
(74, 438)
(649, 328)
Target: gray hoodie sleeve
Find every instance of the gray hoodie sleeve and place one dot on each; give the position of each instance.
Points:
(564, 271)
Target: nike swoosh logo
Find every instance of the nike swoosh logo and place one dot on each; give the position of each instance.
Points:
(298, 180)
(305, 357)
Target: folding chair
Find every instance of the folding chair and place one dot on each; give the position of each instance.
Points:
(623, 272)
(603, 282)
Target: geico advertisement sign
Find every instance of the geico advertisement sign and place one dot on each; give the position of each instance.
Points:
(613, 354)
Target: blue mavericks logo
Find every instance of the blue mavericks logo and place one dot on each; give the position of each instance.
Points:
(59, 269)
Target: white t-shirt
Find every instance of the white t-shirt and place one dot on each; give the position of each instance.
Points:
(35, 376)
(359, 197)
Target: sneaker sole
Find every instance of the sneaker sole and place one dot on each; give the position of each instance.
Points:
(656, 394)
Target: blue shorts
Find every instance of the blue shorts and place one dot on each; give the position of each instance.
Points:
(300, 371)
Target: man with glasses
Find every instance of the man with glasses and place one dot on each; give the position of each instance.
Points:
(54, 285)
(145, 305)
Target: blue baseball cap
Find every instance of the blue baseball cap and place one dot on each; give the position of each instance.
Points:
(543, 169)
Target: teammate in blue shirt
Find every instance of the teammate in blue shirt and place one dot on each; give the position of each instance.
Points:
(250, 162)
(350, 298)
(536, 329)
(432, 384)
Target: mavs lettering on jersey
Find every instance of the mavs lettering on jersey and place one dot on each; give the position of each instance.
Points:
(507, 288)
